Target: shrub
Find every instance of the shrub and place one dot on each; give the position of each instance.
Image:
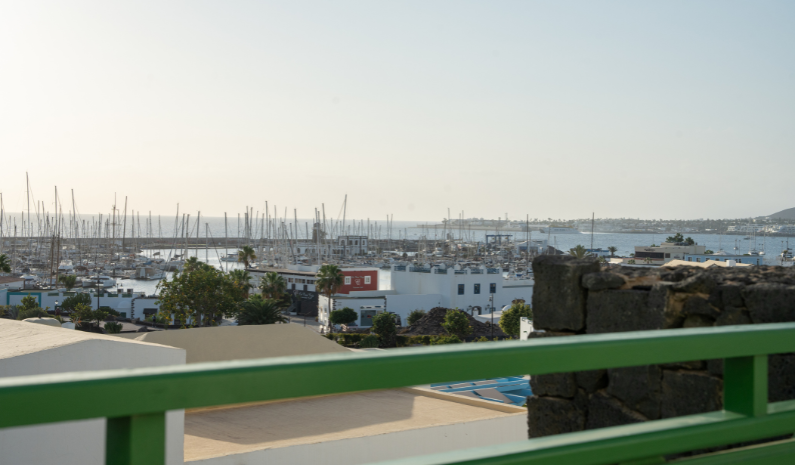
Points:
(329, 336)
(31, 313)
(370, 342)
(344, 316)
(70, 303)
(112, 327)
(510, 320)
(481, 339)
(446, 340)
(457, 323)
(384, 326)
(415, 316)
(402, 341)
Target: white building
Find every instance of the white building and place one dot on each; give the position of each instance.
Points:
(474, 290)
(35, 349)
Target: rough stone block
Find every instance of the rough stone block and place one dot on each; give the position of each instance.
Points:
(592, 380)
(781, 377)
(623, 310)
(639, 388)
(727, 295)
(552, 415)
(558, 297)
(605, 411)
(664, 300)
(770, 302)
(554, 384)
(602, 280)
(698, 321)
(689, 393)
(700, 283)
(699, 305)
(733, 316)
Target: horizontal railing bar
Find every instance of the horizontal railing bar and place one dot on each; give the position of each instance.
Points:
(624, 443)
(763, 454)
(38, 399)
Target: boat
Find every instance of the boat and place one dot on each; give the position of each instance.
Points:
(148, 272)
(230, 257)
(102, 280)
(557, 230)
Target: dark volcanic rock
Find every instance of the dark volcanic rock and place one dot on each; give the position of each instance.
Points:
(663, 300)
(554, 384)
(604, 411)
(592, 380)
(638, 388)
(431, 325)
(770, 302)
(602, 280)
(733, 316)
(699, 305)
(558, 298)
(623, 310)
(690, 392)
(781, 377)
(698, 321)
(551, 415)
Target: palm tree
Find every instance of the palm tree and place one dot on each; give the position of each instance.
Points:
(273, 285)
(329, 281)
(612, 251)
(242, 279)
(246, 255)
(5, 265)
(68, 281)
(260, 311)
(579, 252)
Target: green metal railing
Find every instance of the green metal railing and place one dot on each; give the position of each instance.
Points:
(136, 430)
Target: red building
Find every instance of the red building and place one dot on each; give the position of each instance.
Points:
(359, 279)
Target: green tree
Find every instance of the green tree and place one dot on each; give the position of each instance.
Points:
(415, 316)
(82, 314)
(242, 281)
(344, 316)
(678, 238)
(612, 251)
(708, 251)
(384, 326)
(329, 281)
(631, 262)
(246, 255)
(579, 252)
(511, 318)
(457, 323)
(260, 311)
(200, 292)
(5, 264)
(29, 303)
(71, 302)
(192, 263)
(112, 327)
(273, 285)
(68, 281)
(371, 341)
(164, 318)
(647, 260)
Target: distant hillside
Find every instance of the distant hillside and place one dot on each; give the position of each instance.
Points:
(788, 214)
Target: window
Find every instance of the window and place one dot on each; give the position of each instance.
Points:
(289, 280)
(293, 286)
(690, 259)
(305, 287)
(667, 255)
(698, 259)
(477, 288)
(493, 288)
(347, 280)
(367, 279)
(460, 289)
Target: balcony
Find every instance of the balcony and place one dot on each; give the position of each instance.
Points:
(136, 430)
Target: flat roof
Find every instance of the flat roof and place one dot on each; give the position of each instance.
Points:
(234, 430)
(22, 338)
(282, 271)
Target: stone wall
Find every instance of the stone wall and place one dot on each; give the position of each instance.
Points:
(574, 296)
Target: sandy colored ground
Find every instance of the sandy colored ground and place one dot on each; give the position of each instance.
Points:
(221, 343)
(219, 432)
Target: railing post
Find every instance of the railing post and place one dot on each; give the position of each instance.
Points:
(745, 385)
(136, 440)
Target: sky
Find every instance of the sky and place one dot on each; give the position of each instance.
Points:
(673, 109)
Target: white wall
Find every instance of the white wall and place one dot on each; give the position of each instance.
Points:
(403, 304)
(83, 442)
(391, 446)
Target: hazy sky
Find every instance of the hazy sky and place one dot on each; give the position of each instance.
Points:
(674, 109)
